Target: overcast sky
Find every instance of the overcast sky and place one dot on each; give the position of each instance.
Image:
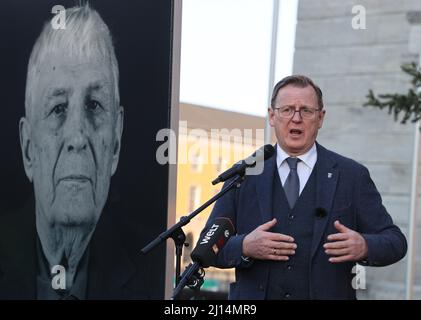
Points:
(225, 52)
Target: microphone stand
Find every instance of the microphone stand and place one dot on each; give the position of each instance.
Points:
(176, 232)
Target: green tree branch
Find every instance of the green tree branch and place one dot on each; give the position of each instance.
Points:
(409, 105)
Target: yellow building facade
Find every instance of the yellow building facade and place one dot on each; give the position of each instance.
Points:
(209, 142)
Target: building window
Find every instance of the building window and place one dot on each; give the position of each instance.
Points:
(194, 198)
(196, 164)
(221, 165)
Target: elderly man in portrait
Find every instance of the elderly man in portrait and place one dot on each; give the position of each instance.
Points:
(70, 140)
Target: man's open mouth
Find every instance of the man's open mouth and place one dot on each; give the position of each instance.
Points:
(295, 132)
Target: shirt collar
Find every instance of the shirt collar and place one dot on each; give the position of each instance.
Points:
(309, 158)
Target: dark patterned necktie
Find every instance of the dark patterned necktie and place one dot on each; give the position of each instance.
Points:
(292, 184)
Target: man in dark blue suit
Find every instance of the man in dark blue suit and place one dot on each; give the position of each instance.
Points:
(304, 223)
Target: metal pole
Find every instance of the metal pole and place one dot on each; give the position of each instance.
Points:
(412, 223)
(172, 171)
(272, 65)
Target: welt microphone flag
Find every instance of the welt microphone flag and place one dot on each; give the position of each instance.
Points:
(211, 242)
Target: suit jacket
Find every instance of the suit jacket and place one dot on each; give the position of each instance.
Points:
(344, 192)
(114, 272)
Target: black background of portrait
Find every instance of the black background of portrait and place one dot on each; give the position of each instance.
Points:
(142, 37)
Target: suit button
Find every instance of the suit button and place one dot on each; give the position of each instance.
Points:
(289, 267)
(291, 217)
(261, 288)
(287, 296)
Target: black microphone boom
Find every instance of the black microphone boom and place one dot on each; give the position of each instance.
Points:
(263, 153)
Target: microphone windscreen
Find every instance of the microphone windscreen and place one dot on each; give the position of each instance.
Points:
(212, 240)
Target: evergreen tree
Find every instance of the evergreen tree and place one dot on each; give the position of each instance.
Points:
(409, 105)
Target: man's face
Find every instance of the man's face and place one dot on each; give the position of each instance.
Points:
(71, 141)
(296, 135)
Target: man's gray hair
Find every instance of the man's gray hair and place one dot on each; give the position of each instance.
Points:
(85, 36)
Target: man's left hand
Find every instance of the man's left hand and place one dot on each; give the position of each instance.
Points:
(347, 245)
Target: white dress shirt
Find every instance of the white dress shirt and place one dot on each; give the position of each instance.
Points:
(304, 167)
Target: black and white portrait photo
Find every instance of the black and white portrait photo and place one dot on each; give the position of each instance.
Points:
(84, 87)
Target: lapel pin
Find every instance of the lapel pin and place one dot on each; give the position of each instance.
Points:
(329, 175)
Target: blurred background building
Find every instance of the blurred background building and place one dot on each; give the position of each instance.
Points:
(345, 62)
(210, 141)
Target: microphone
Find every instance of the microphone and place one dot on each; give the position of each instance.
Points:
(207, 249)
(263, 153)
(321, 212)
(209, 245)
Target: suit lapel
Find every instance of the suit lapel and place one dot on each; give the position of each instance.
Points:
(264, 188)
(110, 267)
(18, 260)
(327, 178)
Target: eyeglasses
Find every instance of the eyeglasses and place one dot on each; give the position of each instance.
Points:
(289, 112)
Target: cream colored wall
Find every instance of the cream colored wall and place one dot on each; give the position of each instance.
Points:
(209, 150)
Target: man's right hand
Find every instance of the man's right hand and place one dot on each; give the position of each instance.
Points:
(264, 245)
